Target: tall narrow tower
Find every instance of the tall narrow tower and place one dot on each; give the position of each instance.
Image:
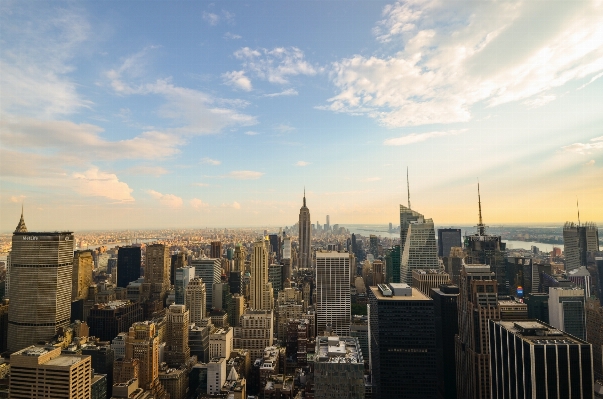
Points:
(305, 256)
(41, 265)
(261, 297)
(157, 270)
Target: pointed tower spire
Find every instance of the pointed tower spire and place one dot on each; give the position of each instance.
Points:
(304, 195)
(21, 228)
(578, 207)
(480, 225)
(408, 187)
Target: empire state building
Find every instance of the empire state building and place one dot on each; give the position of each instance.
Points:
(305, 256)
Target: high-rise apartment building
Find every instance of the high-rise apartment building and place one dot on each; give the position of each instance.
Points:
(195, 300)
(129, 260)
(418, 244)
(261, 295)
(41, 266)
(305, 253)
(530, 359)
(338, 368)
(177, 351)
(333, 300)
(216, 249)
(182, 278)
(447, 239)
(210, 271)
(81, 279)
(445, 300)
(255, 332)
(478, 303)
(43, 372)
(402, 342)
(566, 310)
(157, 270)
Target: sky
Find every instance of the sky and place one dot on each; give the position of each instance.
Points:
(169, 114)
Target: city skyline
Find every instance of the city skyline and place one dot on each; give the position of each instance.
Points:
(186, 115)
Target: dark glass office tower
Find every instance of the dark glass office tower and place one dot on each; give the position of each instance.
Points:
(530, 359)
(447, 326)
(392, 264)
(128, 265)
(102, 362)
(448, 238)
(402, 342)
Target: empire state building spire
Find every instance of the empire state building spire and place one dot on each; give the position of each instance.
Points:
(21, 228)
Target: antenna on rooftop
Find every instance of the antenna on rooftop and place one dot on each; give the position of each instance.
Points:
(480, 225)
(577, 207)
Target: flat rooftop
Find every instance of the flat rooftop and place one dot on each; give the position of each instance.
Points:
(416, 296)
(65, 360)
(333, 349)
(538, 333)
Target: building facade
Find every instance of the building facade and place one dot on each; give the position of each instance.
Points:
(418, 244)
(333, 300)
(402, 342)
(209, 270)
(129, 260)
(41, 266)
(338, 368)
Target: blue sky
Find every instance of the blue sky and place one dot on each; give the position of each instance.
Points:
(194, 114)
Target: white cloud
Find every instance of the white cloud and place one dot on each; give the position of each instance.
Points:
(209, 161)
(288, 92)
(244, 175)
(444, 66)
(283, 128)
(211, 18)
(68, 138)
(36, 60)
(539, 101)
(232, 36)
(236, 205)
(593, 145)
(95, 183)
(302, 163)
(251, 133)
(238, 80)
(169, 200)
(413, 138)
(198, 204)
(590, 163)
(147, 170)
(276, 65)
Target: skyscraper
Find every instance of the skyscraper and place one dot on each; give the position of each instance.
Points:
(128, 265)
(578, 241)
(478, 302)
(157, 270)
(177, 349)
(240, 256)
(530, 359)
(41, 267)
(305, 254)
(261, 295)
(566, 310)
(448, 238)
(210, 271)
(418, 244)
(402, 342)
(335, 377)
(196, 300)
(333, 301)
(82, 274)
(183, 276)
(216, 249)
(445, 300)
